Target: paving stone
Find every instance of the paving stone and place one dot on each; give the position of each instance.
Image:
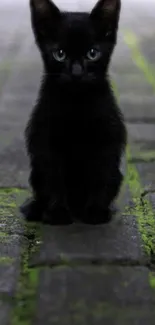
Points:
(135, 100)
(147, 174)
(11, 222)
(141, 132)
(14, 167)
(10, 259)
(12, 245)
(139, 113)
(12, 241)
(117, 241)
(143, 146)
(148, 50)
(113, 295)
(19, 95)
(138, 109)
(5, 311)
(134, 13)
(12, 39)
(132, 83)
(11, 248)
(11, 36)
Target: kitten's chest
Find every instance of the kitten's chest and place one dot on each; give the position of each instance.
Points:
(76, 121)
(76, 131)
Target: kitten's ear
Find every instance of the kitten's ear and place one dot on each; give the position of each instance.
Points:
(44, 8)
(106, 8)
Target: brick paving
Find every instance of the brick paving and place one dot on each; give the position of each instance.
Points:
(77, 274)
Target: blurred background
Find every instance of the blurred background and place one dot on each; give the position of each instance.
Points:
(132, 72)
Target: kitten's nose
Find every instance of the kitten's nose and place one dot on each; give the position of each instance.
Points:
(77, 70)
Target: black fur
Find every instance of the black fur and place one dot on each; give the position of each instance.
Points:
(76, 134)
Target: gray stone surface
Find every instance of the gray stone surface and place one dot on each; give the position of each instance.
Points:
(11, 248)
(10, 251)
(141, 132)
(5, 309)
(118, 241)
(147, 172)
(143, 146)
(20, 68)
(12, 243)
(95, 295)
(148, 50)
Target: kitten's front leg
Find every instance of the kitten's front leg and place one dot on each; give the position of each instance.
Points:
(102, 208)
(108, 181)
(48, 203)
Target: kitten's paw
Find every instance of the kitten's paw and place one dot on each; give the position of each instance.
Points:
(96, 215)
(31, 210)
(57, 216)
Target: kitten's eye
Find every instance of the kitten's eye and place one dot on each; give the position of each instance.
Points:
(59, 55)
(93, 55)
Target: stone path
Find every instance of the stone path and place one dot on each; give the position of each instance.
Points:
(78, 274)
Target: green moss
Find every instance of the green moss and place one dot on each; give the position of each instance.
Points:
(25, 301)
(6, 260)
(152, 280)
(125, 284)
(8, 200)
(10, 190)
(64, 259)
(4, 238)
(33, 233)
(3, 234)
(145, 156)
(142, 209)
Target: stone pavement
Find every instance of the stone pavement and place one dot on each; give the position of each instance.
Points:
(78, 274)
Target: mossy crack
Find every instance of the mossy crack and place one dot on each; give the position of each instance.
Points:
(23, 302)
(25, 305)
(77, 262)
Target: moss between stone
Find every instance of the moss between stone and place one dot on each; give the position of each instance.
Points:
(142, 209)
(152, 280)
(145, 211)
(6, 260)
(9, 217)
(24, 302)
(26, 297)
(81, 312)
(145, 156)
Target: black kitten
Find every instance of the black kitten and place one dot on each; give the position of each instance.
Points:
(76, 134)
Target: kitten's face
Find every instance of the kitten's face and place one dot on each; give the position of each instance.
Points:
(76, 47)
